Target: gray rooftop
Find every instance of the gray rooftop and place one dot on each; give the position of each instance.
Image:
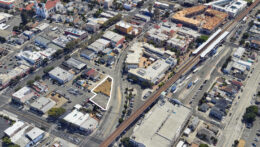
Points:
(43, 104)
(161, 125)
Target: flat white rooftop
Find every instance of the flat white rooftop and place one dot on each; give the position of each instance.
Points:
(161, 125)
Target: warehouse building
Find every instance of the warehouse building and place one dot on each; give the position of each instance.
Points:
(76, 64)
(42, 105)
(82, 121)
(24, 134)
(115, 39)
(157, 129)
(99, 45)
(60, 75)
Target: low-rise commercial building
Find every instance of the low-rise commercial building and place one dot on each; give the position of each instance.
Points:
(4, 17)
(134, 55)
(142, 17)
(48, 53)
(42, 105)
(22, 95)
(7, 3)
(42, 41)
(61, 41)
(124, 27)
(24, 134)
(76, 32)
(153, 74)
(20, 71)
(157, 129)
(33, 58)
(60, 75)
(80, 120)
(99, 45)
(239, 52)
(115, 39)
(88, 54)
(76, 64)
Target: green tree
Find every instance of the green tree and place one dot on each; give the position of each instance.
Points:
(70, 46)
(2, 40)
(14, 145)
(15, 28)
(250, 114)
(30, 83)
(58, 53)
(37, 78)
(125, 141)
(202, 39)
(241, 42)
(252, 109)
(56, 112)
(6, 141)
(245, 36)
(203, 145)
(48, 69)
(44, 61)
(120, 120)
(18, 88)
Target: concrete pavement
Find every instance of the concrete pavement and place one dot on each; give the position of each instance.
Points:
(235, 127)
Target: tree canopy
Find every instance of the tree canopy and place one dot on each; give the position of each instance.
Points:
(250, 114)
(56, 112)
(203, 145)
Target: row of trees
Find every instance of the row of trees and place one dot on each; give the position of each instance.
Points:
(250, 114)
(111, 21)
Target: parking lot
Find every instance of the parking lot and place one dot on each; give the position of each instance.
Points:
(252, 135)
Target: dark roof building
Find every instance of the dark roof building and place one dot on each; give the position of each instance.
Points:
(91, 74)
(236, 83)
(216, 113)
(205, 134)
(204, 107)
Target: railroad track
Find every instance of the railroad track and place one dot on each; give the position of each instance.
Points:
(193, 61)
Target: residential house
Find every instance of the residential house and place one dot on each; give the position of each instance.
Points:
(216, 113)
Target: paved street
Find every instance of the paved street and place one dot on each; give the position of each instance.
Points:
(235, 127)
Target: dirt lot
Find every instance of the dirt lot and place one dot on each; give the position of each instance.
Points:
(60, 100)
(105, 87)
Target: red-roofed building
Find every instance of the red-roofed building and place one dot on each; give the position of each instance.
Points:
(7, 3)
(44, 10)
(179, 25)
(92, 74)
(236, 83)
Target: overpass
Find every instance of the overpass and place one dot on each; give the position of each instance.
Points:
(193, 61)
